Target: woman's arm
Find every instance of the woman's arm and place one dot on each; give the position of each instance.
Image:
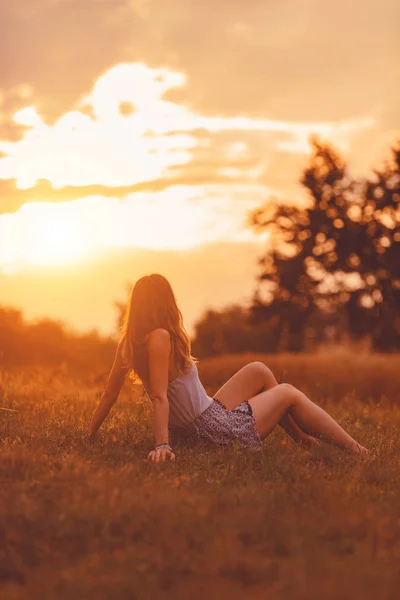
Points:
(114, 384)
(159, 348)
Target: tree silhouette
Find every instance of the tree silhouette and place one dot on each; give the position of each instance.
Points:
(338, 252)
(377, 304)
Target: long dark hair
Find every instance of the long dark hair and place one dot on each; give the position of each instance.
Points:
(152, 305)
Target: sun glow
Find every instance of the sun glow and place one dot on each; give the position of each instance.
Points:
(44, 233)
(41, 234)
(56, 242)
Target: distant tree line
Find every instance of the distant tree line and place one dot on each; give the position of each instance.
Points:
(331, 271)
(48, 342)
(230, 331)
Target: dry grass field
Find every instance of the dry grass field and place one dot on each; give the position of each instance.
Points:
(99, 522)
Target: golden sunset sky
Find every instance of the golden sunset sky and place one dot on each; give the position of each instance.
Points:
(136, 135)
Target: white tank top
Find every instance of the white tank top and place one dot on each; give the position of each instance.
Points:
(187, 398)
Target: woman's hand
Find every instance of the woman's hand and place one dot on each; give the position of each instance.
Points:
(161, 453)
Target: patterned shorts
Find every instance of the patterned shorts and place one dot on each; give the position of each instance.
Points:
(224, 427)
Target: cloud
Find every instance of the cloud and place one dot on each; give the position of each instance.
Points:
(155, 140)
(12, 197)
(299, 60)
(106, 98)
(290, 60)
(60, 48)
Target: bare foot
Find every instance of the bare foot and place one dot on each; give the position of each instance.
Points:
(362, 451)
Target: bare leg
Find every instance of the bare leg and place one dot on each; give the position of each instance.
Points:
(287, 422)
(270, 406)
(250, 380)
(289, 425)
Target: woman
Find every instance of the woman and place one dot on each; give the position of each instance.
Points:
(155, 347)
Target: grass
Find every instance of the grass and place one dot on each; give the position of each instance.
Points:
(99, 522)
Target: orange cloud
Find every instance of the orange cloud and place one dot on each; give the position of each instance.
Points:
(115, 149)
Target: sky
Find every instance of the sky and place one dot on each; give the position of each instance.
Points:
(136, 136)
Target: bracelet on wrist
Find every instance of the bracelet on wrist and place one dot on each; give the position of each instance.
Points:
(161, 446)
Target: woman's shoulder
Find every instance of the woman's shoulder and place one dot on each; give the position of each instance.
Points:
(160, 334)
(159, 340)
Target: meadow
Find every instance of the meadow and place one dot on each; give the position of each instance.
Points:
(97, 521)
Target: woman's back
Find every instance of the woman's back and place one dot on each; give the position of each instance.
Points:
(186, 396)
